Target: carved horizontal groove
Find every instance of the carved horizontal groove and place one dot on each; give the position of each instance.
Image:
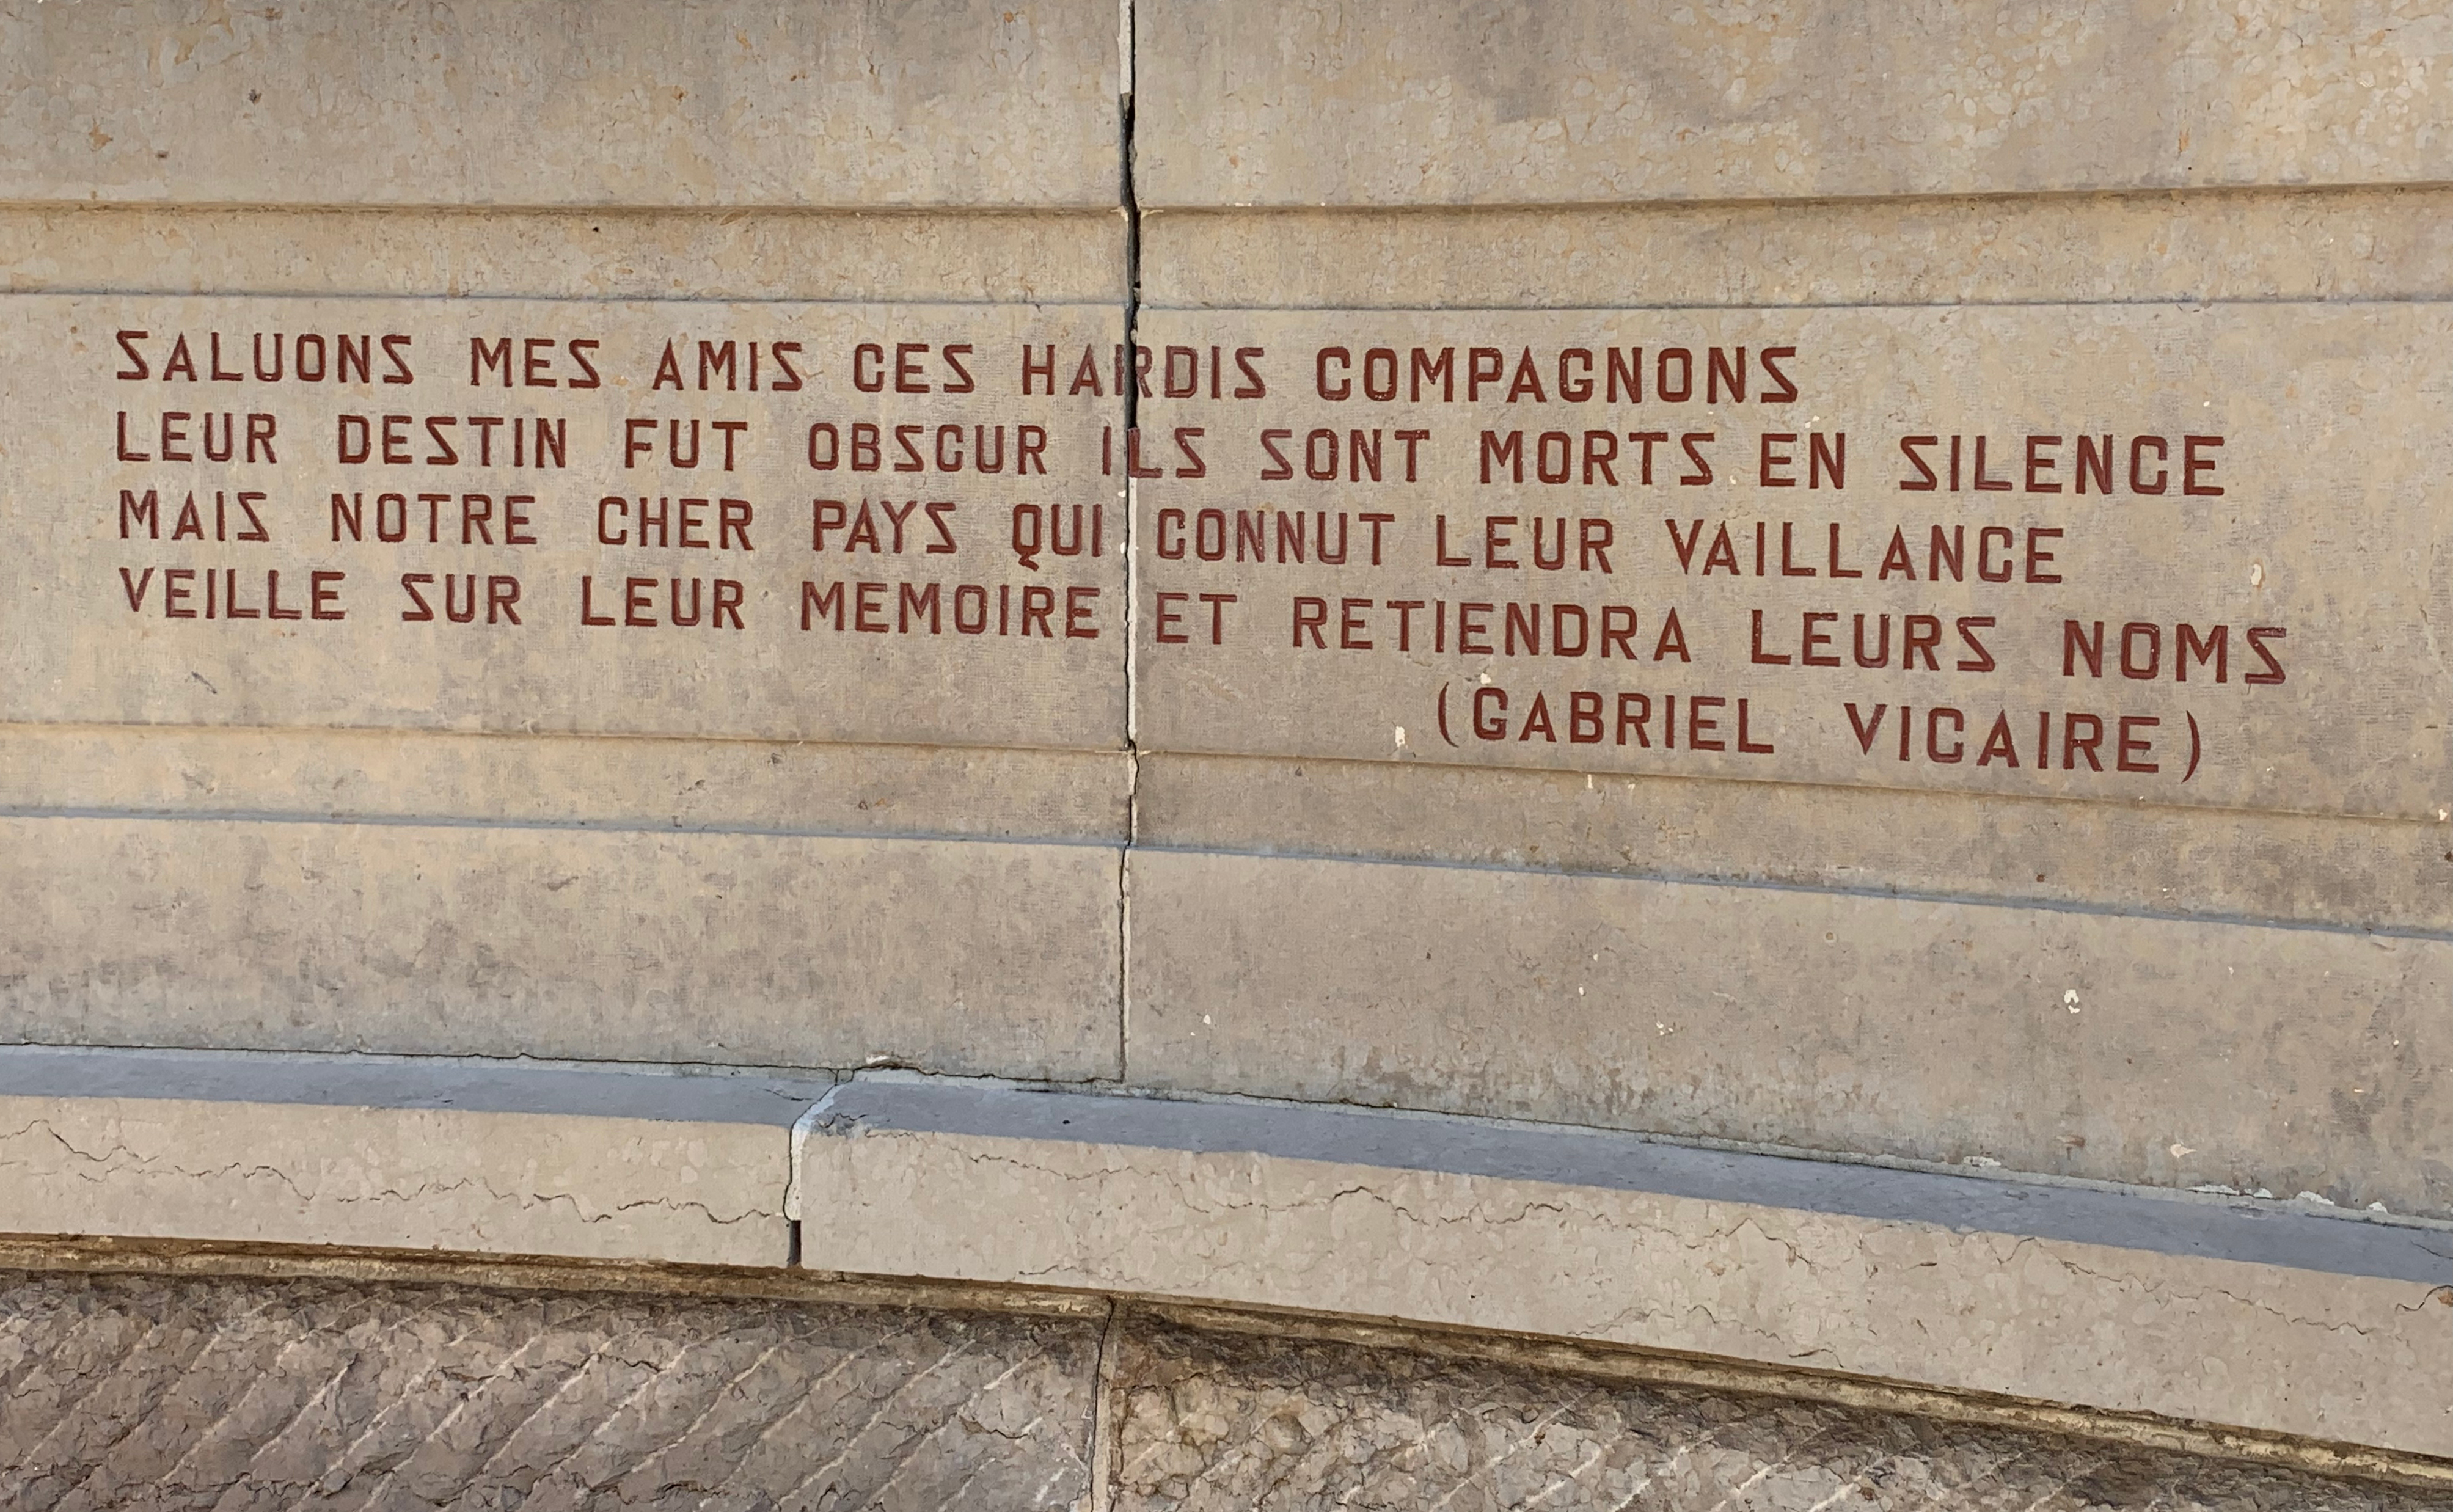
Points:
(2012, 902)
(622, 826)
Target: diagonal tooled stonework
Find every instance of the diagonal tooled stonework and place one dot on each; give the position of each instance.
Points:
(1229, 1423)
(144, 1391)
(128, 1391)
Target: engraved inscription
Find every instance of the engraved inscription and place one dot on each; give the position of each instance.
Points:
(2132, 553)
(797, 521)
(2145, 554)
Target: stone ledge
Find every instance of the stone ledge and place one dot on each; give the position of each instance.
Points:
(2209, 1311)
(607, 1165)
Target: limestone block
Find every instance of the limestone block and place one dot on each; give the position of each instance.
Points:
(2091, 1044)
(135, 1390)
(638, 945)
(265, 1149)
(1355, 553)
(764, 521)
(2204, 1312)
(740, 102)
(1368, 102)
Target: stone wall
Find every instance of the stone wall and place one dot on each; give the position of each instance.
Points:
(1294, 655)
(1181, 803)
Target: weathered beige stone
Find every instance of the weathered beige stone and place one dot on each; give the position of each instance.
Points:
(2089, 1043)
(707, 631)
(601, 252)
(2210, 863)
(1367, 102)
(450, 938)
(2062, 616)
(1989, 249)
(743, 102)
(2328, 1356)
(597, 781)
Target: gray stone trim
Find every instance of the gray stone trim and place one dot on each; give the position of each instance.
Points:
(2191, 1225)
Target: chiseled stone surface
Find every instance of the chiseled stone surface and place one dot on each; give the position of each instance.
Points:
(134, 1392)
(1215, 1422)
(631, 944)
(1372, 102)
(742, 102)
(2161, 1051)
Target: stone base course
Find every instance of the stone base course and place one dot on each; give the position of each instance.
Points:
(135, 1390)
(127, 1391)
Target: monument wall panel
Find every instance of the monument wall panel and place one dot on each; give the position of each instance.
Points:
(643, 567)
(1932, 937)
(739, 103)
(1878, 588)
(1548, 104)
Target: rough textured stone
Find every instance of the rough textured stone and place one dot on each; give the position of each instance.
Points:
(1226, 1423)
(1372, 102)
(125, 1392)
